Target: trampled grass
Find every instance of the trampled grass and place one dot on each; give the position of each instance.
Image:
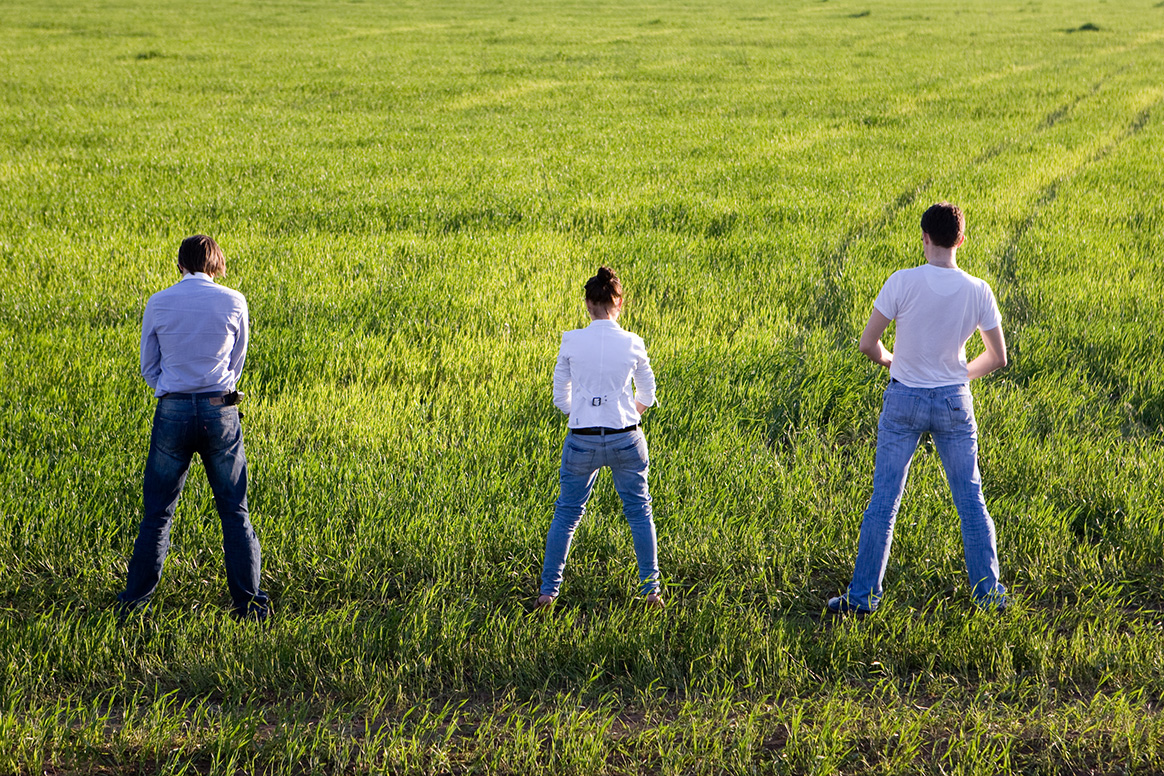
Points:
(410, 196)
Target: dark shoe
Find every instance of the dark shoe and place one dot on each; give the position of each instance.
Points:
(840, 606)
(251, 613)
(996, 605)
(134, 609)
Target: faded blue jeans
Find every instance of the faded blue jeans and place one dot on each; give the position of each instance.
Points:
(185, 424)
(582, 458)
(947, 413)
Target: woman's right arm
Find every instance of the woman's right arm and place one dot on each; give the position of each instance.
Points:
(644, 378)
(563, 386)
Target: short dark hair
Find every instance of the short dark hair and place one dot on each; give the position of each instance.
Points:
(604, 287)
(944, 223)
(202, 254)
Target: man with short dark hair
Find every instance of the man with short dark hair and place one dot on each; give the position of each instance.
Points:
(193, 344)
(937, 307)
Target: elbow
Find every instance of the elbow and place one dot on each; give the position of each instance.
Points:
(868, 350)
(562, 402)
(1001, 360)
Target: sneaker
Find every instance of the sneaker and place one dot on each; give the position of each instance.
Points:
(994, 604)
(250, 611)
(136, 609)
(840, 606)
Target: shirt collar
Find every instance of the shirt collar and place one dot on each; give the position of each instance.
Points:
(605, 322)
(199, 275)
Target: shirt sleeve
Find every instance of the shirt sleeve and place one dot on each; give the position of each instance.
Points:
(151, 352)
(989, 316)
(563, 385)
(238, 354)
(886, 301)
(644, 377)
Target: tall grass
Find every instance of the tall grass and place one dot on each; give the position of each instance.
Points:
(410, 196)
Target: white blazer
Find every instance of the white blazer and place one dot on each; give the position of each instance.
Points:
(594, 373)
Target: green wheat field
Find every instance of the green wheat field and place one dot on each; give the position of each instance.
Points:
(411, 194)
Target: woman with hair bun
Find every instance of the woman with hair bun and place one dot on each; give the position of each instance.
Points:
(593, 385)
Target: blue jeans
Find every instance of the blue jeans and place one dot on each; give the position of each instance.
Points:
(185, 424)
(582, 458)
(947, 413)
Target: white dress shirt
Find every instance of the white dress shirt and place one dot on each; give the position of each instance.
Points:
(194, 337)
(592, 380)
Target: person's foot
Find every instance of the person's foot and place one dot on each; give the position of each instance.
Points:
(994, 604)
(840, 606)
(250, 611)
(545, 601)
(125, 611)
(654, 600)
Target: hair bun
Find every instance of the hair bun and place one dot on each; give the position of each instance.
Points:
(604, 286)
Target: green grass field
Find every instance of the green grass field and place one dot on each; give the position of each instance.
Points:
(410, 195)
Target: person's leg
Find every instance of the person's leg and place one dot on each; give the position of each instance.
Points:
(955, 436)
(225, 460)
(165, 475)
(898, 432)
(629, 466)
(576, 480)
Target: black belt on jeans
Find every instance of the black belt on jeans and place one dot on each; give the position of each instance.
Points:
(597, 430)
(217, 398)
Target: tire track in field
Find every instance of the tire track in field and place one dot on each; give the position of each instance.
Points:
(1060, 113)
(1050, 120)
(831, 298)
(1007, 267)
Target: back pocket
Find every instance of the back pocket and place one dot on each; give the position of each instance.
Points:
(632, 453)
(577, 459)
(960, 409)
(899, 409)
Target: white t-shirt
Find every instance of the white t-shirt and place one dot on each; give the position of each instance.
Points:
(936, 309)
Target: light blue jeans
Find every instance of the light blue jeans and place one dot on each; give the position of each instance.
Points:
(582, 458)
(947, 413)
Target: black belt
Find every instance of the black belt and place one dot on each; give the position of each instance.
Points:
(599, 430)
(217, 398)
